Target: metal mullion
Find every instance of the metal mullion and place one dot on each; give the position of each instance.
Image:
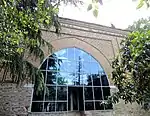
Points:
(84, 96)
(82, 86)
(102, 91)
(95, 100)
(55, 85)
(92, 82)
(62, 101)
(67, 85)
(37, 101)
(56, 89)
(74, 53)
(45, 83)
(93, 92)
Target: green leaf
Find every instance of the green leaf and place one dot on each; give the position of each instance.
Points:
(20, 50)
(47, 21)
(95, 12)
(89, 7)
(56, 10)
(140, 4)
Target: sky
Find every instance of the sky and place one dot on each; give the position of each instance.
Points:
(120, 13)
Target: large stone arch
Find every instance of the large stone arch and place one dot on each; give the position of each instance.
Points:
(76, 42)
(67, 42)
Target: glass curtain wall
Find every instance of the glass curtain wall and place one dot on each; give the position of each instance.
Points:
(74, 81)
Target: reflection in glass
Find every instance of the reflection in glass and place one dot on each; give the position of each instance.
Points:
(104, 80)
(61, 93)
(62, 54)
(62, 80)
(37, 107)
(88, 93)
(37, 96)
(86, 67)
(49, 106)
(61, 106)
(44, 65)
(98, 93)
(73, 79)
(51, 77)
(71, 54)
(63, 66)
(50, 93)
(89, 105)
(99, 105)
(95, 68)
(89, 80)
(96, 79)
(106, 92)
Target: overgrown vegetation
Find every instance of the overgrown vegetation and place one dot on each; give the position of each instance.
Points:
(20, 33)
(131, 72)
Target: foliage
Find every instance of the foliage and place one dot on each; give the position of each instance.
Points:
(143, 2)
(20, 33)
(140, 25)
(131, 69)
(94, 6)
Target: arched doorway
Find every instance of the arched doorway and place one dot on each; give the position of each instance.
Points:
(74, 81)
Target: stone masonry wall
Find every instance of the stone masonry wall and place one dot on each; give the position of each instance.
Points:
(14, 101)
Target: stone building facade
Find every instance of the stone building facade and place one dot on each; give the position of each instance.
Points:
(100, 41)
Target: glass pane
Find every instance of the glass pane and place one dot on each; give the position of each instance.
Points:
(63, 65)
(96, 79)
(86, 67)
(61, 106)
(50, 93)
(85, 56)
(62, 54)
(71, 54)
(52, 64)
(95, 68)
(104, 80)
(61, 93)
(88, 92)
(72, 79)
(49, 106)
(99, 105)
(51, 77)
(37, 107)
(88, 80)
(62, 80)
(44, 65)
(89, 105)
(93, 59)
(106, 92)
(98, 93)
(78, 54)
(72, 67)
(38, 97)
(78, 79)
(83, 79)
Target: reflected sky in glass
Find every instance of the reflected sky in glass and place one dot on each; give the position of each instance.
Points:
(73, 66)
